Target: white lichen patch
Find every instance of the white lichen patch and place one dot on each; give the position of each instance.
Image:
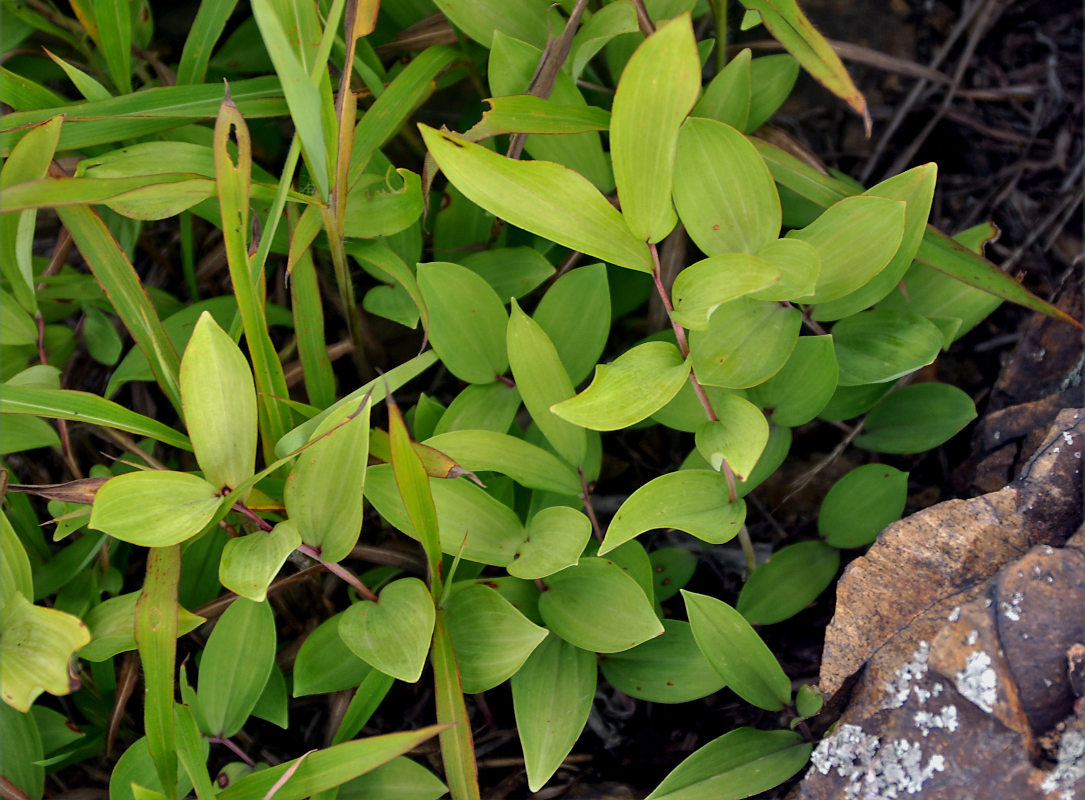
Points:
(946, 719)
(897, 690)
(1070, 766)
(955, 614)
(873, 769)
(973, 637)
(1011, 609)
(1067, 437)
(978, 681)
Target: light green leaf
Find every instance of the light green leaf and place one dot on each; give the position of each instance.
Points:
(861, 504)
(15, 574)
(771, 79)
(481, 406)
(542, 381)
(738, 437)
(629, 389)
(36, 645)
(399, 779)
(394, 634)
(667, 669)
(880, 346)
(694, 501)
(237, 661)
(114, 20)
(192, 751)
(521, 19)
(16, 326)
(541, 197)
(27, 433)
(112, 626)
(154, 509)
(528, 465)
(742, 763)
(380, 206)
(727, 97)
(703, 287)
(510, 271)
(575, 314)
(656, 91)
(250, 563)
(799, 265)
(609, 21)
(22, 743)
(788, 582)
(803, 387)
(206, 29)
(916, 418)
(552, 696)
(746, 343)
(134, 776)
(597, 583)
(737, 652)
(554, 539)
(672, 568)
(526, 113)
(723, 191)
(325, 663)
(467, 321)
(492, 639)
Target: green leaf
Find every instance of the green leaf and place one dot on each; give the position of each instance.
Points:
(467, 321)
(542, 381)
(727, 97)
(15, 574)
(112, 625)
(742, 763)
(323, 492)
(916, 418)
(394, 634)
(493, 531)
(36, 645)
(23, 749)
(457, 744)
(219, 400)
(803, 387)
(540, 197)
(552, 696)
(236, 664)
(528, 465)
(856, 239)
(667, 669)
(916, 188)
(746, 343)
(738, 437)
(114, 21)
(851, 401)
(510, 271)
(192, 751)
(16, 326)
(575, 314)
(399, 779)
(788, 582)
(597, 583)
(723, 191)
(526, 113)
(210, 22)
(657, 89)
(771, 80)
(325, 663)
(703, 287)
(609, 21)
(672, 568)
(327, 768)
(554, 539)
(880, 346)
(520, 19)
(380, 206)
(861, 504)
(154, 509)
(103, 342)
(799, 265)
(492, 640)
(790, 27)
(481, 406)
(134, 776)
(694, 501)
(737, 652)
(250, 563)
(629, 389)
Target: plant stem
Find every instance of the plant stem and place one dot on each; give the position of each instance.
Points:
(340, 571)
(586, 497)
(719, 11)
(237, 751)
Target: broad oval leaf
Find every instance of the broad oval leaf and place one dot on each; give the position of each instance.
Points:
(324, 662)
(694, 501)
(539, 196)
(394, 634)
(788, 582)
(856, 238)
(799, 265)
(112, 625)
(542, 382)
(492, 639)
(742, 763)
(16, 326)
(480, 406)
(672, 568)
(554, 539)
(803, 387)
(575, 595)
(522, 461)
(738, 437)
(236, 664)
(250, 563)
(737, 652)
(467, 321)
(746, 343)
(323, 492)
(399, 779)
(667, 669)
(510, 271)
(493, 531)
(771, 80)
(575, 314)
(154, 509)
(551, 697)
(36, 644)
(727, 96)
(703, 287)
(380, 206)
(916, 418)
(656, 91)
(861, 504)
(629, 389)
(521, 19)
(880, 346)
(219, 400)
(723, 191)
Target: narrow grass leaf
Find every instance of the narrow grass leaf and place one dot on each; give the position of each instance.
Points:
(206, 29)
(192, 751)
(414, 488)
(114, 18)
(457, 745)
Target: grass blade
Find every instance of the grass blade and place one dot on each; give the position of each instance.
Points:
(208, 26)
(457, 747)
(114, 20)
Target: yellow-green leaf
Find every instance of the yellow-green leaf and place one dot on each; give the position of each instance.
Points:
(36, 644)
(154, 509)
